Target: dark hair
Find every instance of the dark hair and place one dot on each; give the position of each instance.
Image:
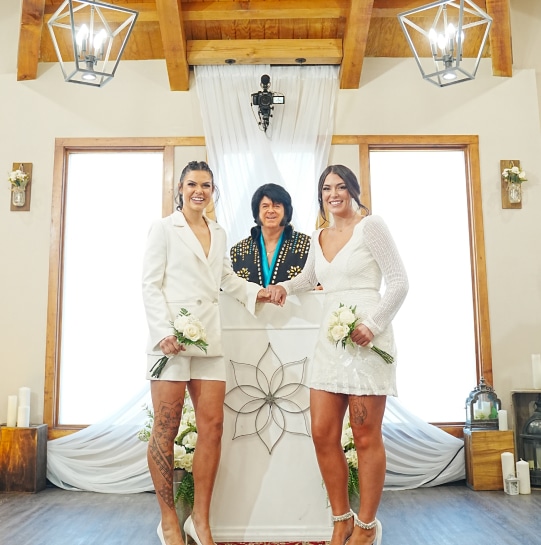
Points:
(190, 167)
(349, 178)
(277, 194)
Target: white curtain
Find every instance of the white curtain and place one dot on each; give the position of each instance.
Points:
(293, 152)
(108, 456)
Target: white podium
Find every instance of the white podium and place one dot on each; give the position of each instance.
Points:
(268, 486)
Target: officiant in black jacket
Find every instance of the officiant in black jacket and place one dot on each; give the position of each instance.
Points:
(274, 251)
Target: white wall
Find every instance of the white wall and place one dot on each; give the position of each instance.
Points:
(392, 99)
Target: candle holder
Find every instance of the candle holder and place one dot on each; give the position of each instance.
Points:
(482, 406)
(511, 485)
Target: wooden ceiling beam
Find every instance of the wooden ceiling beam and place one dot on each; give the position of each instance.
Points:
(230, 11)
(355, 39)
(201, 52)
(270, 9)
(174, 43)
(500, 37)
(212, 52)
(30, 39)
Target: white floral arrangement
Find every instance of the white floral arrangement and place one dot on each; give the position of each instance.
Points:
(514, 175)
(184, 448)
(18, 179)
(350, 452)
(189, 331)
(342, 323)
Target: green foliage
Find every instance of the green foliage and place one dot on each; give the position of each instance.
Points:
(185, 490)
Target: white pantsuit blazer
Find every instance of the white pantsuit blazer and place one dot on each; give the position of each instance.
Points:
(177, 274)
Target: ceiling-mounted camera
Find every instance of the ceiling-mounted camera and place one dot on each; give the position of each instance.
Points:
(265, 101)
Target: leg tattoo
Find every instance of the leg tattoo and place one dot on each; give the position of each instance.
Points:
(358, 411)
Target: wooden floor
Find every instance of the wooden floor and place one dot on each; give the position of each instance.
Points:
(444, 515)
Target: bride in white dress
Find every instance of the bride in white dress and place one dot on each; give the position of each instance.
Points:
(350, 259)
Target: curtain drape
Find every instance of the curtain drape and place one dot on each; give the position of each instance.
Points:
(108, 457)
(293, 152)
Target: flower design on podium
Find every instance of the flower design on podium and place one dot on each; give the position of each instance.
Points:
(270, 400)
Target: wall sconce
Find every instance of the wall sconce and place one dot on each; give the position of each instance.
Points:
(98, 34)
(19, 180)
(512, 177)
(452, 23)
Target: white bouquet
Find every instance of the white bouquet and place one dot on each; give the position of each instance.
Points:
(189, 331)
(342, 323)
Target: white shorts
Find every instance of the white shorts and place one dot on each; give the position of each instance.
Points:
(184, 368)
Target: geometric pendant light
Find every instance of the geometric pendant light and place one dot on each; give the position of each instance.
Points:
(89, 38)
(436, 34)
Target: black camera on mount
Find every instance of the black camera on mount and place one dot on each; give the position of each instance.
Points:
(265, 100)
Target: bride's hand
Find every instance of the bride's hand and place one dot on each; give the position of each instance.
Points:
(278, 295)
(361, 335)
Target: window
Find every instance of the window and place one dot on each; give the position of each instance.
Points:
(104, 199)
(426, 209)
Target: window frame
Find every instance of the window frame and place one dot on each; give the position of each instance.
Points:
(469, 144)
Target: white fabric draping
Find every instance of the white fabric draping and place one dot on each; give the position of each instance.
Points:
(293, 152)
(108, 457)
(418, 454)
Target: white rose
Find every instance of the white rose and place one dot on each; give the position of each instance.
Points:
(190, 439)
(178, 455)
(346, 316)
(351, 457)
(186, 462)
(334, 319)
(339, 332)
(182, 428)
(192, 332)
(189, 417)
(522, 175)
(180, 323)
(515, 170)
(347, 437)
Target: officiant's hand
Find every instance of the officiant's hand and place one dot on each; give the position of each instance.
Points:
(170, 346)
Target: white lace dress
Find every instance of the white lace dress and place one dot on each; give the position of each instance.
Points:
(354, 277)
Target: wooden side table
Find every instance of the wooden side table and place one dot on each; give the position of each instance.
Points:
(23, 458)
(483, 449)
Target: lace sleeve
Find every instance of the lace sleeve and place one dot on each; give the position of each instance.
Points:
(306, 280)
(382, 246)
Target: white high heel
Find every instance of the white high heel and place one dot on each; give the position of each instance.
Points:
(341, 518)
(370, 526)
(159, 531)
(189, 530)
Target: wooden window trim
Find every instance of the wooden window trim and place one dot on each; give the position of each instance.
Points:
(63, 147)
(468, 143)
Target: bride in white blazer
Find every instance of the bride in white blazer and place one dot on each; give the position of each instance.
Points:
(185, 266)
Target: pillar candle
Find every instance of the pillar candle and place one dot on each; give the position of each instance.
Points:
(23, 417)
(523, 474)
(508, 466)
(536, 371)
(12, 412)
(502, 420)
(24, 397)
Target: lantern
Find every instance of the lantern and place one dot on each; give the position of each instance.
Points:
(531, 443)
(482, 408)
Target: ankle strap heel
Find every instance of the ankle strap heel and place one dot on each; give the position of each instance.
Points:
(345, 516)
(364, 525)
